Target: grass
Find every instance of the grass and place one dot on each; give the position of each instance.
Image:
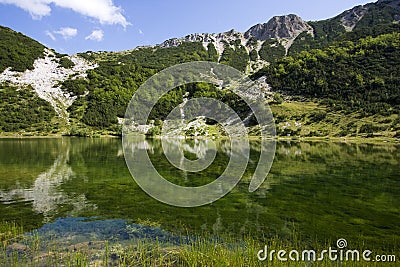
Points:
(309, 119)
(17, 249)
(300, 119)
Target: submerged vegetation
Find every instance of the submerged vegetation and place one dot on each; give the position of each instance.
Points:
(18, 249)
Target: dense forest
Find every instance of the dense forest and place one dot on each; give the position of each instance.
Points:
(22, 110)
(361, 75)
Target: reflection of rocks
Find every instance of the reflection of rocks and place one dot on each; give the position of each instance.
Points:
(138, 144)
(45, 194)
(198, 147)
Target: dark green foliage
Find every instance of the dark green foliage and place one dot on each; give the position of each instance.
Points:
(155, 131)
(252, 42)
(253, 55)
(22, 109)
(317, 116)
(278, 99)
(303, 42)
(287, 132)
(212, 53)
(114, 82)
(162, 58)
(166, 104)
(350, 128)
(378, 14)
(379, 19)
(18, 51)
(231, 99)
(272, 50)
(77, 109)
(65, 62)
(374, 31)
(326, 31)
(76, 87)
(236, 58)
(100, 112)
(111, 87)
(368, 128)
(351, 76)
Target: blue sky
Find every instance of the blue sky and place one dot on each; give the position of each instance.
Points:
(71, 26)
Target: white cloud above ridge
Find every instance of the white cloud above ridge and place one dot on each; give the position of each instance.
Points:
(103, 10)
(66, 32)
(96, 35)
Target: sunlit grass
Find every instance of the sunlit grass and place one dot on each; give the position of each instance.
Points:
(30, 250)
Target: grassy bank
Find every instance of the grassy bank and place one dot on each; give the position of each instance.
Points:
(17, 249)
(304, 120)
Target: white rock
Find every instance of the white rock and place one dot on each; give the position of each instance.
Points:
(46, 76)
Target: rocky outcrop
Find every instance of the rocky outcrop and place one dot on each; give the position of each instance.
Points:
(350, 18)
(219, 40)
(289, 27)
(284, 28)
(46, 77)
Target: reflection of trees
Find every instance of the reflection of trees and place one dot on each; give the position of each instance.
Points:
(45, 194)
(302, 187)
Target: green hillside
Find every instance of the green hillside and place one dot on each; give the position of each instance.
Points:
(17, 50)
(333, 82)
(21, 110)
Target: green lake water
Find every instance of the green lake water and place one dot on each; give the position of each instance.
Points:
(315, 192)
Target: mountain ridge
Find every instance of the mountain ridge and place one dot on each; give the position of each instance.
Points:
(92, 97)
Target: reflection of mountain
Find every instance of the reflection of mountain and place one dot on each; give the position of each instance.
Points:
(44, 194)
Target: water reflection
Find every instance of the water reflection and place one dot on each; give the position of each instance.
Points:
(321, 190)
(45, 194)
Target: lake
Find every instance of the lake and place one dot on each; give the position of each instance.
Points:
(315, 192)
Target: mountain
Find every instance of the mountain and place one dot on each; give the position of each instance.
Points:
(335, 77)
(279, 27)
(18, 51)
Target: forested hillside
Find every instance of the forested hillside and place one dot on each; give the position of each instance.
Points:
(337, 77)
(353, 76)
(18, 51)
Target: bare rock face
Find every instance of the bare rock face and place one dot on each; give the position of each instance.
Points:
(204, 38)
(289, 26)
(283, 27)
(350, 18)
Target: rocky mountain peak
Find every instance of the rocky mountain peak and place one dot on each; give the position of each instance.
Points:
(288, 26)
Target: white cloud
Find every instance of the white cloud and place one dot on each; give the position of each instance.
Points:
(51, 35)
(37, 8)
(103, 10)
(96, 35)
(141, 32)
(67, 32)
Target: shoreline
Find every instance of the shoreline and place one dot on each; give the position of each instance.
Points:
(351, 140)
